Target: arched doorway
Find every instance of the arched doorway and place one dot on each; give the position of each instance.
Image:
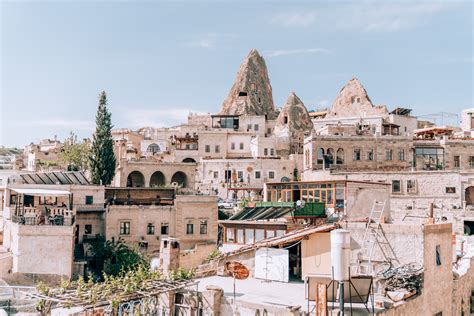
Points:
(180, 178)
(135, 180)
(189, 160)
(157, 179)
(469, 195)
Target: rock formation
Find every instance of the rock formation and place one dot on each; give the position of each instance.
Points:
(251, 93)
(292, 124)
(353, 100)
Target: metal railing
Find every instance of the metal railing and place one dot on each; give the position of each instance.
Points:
(57, 220)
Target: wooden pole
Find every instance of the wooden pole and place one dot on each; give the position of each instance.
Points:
(321, 299)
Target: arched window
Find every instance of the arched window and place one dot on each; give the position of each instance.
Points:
(180, 178)
(135, 180)
(189, 160)
(153, 149)
(320, 156)
(340, 156)
(157, 179)
(330, 156)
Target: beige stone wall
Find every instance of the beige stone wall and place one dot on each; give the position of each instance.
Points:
(379, 146)
(187, 209)
(42, 249)
(360, 198)
(192, 258)
(147, 168)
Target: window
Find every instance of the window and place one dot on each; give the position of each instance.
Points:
(401, 154)
(232, 146)
(271, 174)
(320, 156)
(241, 146)
(258, 174)
(286, 119)
(265, 151)
(471, 162)
(255, 127)
(340, 156)
(269, 131)
(189, 228)
(150, 229)
(207, 148)
(203, 227)
(88, 229)
(216, 174)
(153, 148)
(164, 228)
(124, 228)
(249, 236)
(388, 154)
(396, 187)
(457, 161)
(89, 199)
(356, 154)
(240, 175)
(270, 233)
(411, 186)
(438, 255)
(272, 152)
(229, 232)
(240, 236)
(217, 149)
(249, 127)
(259, 234)
(450, 189)
(369, 155)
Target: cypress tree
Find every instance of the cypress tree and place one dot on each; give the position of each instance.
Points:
(102, 158)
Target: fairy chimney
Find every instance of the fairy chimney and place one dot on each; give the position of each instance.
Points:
(251, 93)
(353, 100)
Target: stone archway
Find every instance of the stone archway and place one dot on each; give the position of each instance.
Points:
(469, 195)
(136, 180)
(157, 179)
(180, 178)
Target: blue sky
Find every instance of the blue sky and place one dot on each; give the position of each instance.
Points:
(159, 60)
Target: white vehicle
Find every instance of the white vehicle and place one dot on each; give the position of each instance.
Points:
(225, 204)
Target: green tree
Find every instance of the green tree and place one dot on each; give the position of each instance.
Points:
(115, 257)
(102, 158)
(75, 155)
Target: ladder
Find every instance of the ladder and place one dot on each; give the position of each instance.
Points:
(373, 235)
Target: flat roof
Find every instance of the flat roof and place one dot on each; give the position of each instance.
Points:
(41, 192)
(327, 181)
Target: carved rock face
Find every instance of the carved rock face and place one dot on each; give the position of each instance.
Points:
(251, 93)
(295, 115)
(353, 100)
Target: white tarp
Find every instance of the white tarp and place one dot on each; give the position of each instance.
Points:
(272, 264)
(42, 192)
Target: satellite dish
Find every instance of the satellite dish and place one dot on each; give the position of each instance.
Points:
(236, 270)
(155, 264)
(298, 203)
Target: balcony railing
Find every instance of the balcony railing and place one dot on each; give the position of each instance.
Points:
(56, 220)
(316, 209)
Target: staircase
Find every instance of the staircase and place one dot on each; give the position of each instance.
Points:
(374, 235)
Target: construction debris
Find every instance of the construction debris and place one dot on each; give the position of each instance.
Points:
(407, 277)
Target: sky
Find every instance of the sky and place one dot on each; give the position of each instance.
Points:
(160, 60)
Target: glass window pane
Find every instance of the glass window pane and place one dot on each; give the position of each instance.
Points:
(280, 232)
(240, 236)
(249, 237)
(270, 233)
(259, 234)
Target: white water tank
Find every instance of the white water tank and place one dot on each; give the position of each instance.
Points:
(340, 254)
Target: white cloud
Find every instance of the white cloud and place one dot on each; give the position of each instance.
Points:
(367, 16)
(285, 52)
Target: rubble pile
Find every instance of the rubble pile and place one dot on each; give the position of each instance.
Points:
(405, 277)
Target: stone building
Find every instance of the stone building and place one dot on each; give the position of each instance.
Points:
(144, 216)
(47, 217)
(43, 156)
